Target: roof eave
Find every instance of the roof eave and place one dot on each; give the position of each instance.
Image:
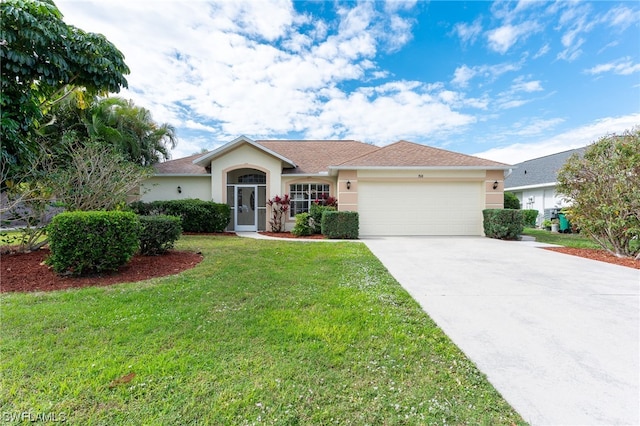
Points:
(336, 168)
(182, 175)
(534, 186)
(319, 174)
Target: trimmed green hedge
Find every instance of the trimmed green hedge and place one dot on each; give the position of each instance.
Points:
(92, 242)
(503, 224)
(343, 225)
(158, 234)
(196, 215)
(315, 214)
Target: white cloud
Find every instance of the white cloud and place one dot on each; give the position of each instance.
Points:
(574, 138)
(535, 127)
(621, 18)
(575, 20)
(245, 67)
(401, 110)
(520, 85)
(623, 66)
(543, 51)
(503, 38)
(468, 33)
(463, 74)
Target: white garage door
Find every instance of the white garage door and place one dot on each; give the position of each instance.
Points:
(424, 208)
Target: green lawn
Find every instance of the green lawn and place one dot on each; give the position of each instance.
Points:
(566, 240)
(260, 332)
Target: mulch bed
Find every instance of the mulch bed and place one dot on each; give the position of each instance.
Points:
(290, 235)
(596, 254)
(25, 272)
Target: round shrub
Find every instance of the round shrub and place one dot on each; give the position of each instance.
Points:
(511, 201)
(90, 242)
(302, 227)
(158, 233)
(503, 224)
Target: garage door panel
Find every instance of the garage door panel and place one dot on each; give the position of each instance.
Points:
(420, 208)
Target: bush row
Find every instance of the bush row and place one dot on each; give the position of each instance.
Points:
(344, 225)
(90, 242)
(333, 224)
(503, 224)
(196, 215)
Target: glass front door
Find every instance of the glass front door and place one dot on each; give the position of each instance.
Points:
(245, 208)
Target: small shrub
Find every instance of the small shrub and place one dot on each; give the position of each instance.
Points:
(315, 213)
(302, 227)
(92, 242)
(158, 234)
(511, 201)
(530, 217)
(503, 224)
(343, 225)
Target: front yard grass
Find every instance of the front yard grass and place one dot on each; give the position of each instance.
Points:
(566, 240)
(259, 332)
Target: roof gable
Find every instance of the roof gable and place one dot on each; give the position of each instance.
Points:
(540, 171)
(403, 154)
(206, 159)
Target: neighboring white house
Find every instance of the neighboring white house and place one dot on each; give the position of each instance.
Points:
(399, 189)
(534, 182)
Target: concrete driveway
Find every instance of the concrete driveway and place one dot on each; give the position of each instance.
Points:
(557, 335)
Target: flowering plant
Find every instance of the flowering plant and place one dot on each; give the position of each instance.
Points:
(279, 207)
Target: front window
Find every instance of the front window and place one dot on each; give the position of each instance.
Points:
(303, 194)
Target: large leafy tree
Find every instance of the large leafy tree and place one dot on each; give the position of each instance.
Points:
(41, 57)
(604, 190)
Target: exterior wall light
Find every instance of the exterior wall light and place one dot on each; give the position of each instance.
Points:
(495, 185)
(348, 184)
(179, 190)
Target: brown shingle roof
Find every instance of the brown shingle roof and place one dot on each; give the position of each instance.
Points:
(181, 166)
(410, 154)
(314, 156)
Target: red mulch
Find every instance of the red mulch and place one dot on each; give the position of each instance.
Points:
(26, 271)
(596, 254)
(290, 235)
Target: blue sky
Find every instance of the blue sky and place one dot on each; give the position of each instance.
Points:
(507, 81)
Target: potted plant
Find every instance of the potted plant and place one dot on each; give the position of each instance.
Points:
(555, 225)
(546, 224)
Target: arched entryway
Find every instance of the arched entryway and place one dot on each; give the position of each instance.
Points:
(247, 197)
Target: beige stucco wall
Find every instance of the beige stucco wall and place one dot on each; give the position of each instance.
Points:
(166, 188)
(347, 197)
(494, 198)
(244, 156)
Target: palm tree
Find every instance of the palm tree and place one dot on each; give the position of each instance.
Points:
(132, 130)
(114, 121)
